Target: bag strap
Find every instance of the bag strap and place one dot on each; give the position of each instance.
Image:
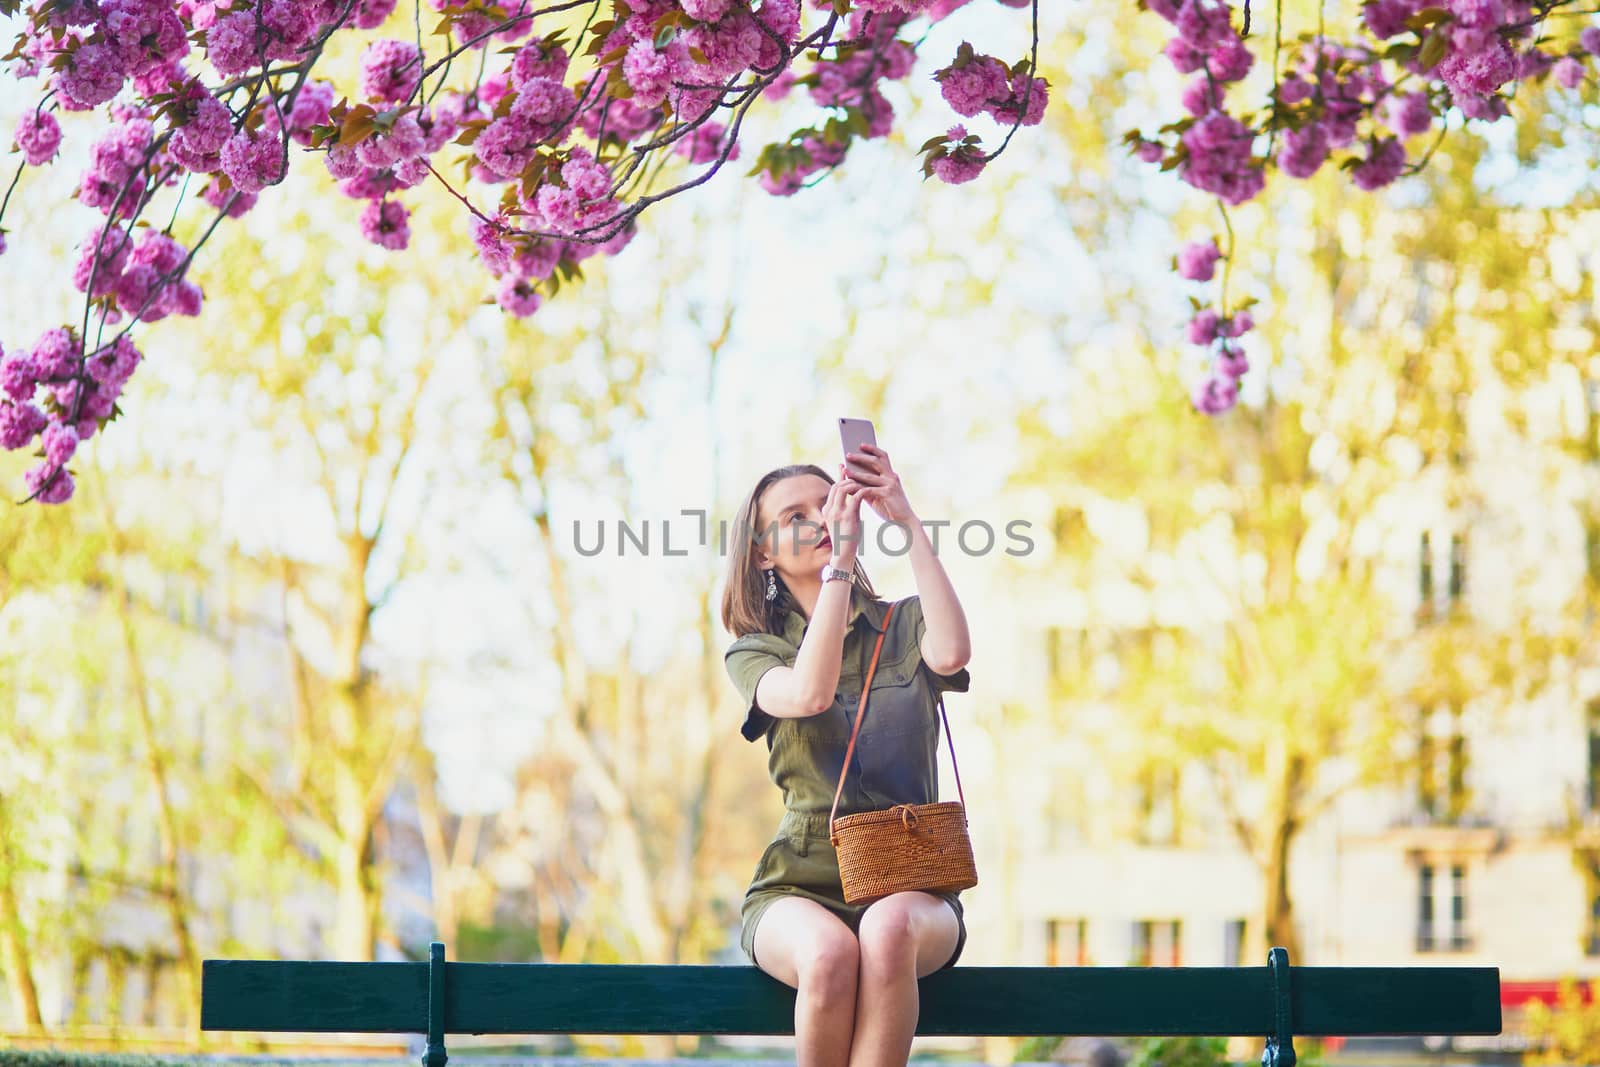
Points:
(861, 710)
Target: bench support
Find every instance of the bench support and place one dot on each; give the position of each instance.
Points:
(435, 1056)
(1280, 1043)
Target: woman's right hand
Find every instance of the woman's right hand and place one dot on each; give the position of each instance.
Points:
(841, 514)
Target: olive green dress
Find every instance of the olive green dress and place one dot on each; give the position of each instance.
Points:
(895, 759)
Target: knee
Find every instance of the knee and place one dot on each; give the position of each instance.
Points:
(828, 968)
(888, 937)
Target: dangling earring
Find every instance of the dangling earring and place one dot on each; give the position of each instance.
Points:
(772, 583)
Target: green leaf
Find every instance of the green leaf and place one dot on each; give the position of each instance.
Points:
(1433, 48)
(841, 7)
(665, 35)
(1427, 17)
(930, 142)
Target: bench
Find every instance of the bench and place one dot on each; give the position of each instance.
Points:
(436, 998)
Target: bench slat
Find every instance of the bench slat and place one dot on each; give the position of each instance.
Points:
(536, 998)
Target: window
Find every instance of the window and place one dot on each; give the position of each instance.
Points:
(1432, 936)
(1458, 569)
(1442, 764)
(1458, 908)
(1233, 942)
(1425, 579)
(1425, 909)
(1066, 943)
(1157, 804)
(1591, 935)
(1156, 944)
(1594, 754)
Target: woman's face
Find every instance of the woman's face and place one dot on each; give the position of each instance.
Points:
(789, 529)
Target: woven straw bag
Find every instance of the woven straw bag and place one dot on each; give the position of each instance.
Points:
(907, 846)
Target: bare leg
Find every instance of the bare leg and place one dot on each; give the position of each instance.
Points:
(808, 948)
(903, 937)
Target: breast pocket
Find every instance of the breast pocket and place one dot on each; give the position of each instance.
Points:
(898, 704)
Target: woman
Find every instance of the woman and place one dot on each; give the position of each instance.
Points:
(805, 633)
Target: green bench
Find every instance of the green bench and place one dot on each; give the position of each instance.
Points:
(436, 998)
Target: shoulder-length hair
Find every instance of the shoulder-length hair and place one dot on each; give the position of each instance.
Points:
(745, 607)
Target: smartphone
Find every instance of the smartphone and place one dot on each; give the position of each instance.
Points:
(853, 433)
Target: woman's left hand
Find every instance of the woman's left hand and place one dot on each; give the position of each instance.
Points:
(883, 489)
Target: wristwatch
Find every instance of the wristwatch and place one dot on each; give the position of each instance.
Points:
(831, 573)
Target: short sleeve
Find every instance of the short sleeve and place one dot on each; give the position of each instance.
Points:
(747, 659)
(957, 682)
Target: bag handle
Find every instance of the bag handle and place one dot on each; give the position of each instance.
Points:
(861, 710)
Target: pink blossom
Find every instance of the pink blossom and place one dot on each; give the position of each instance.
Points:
(93, 75)
(404, 140)
(19, 375)
(519, 297)
(231, 44)
(207, 129)
(1229, 60)
(493, 250)
(384, 222)
(50, 490)
(705, 10)
(136, 290)
(1589, 40)
(506, 146)
(1410, 114)
(1010, 111)
(370, 14)
(1387, 18)
(38, 135)
(110, 248)
(651, 72)
(781, 85)
(1382, 165)
(19, 424)
(1200, 96)
(705, 144)
(1150, 151)
(1237, 325)
(440, 123)
(536, 60)
(586, 177)
(1569, 72)
(1232, 363)
(1202, 329)
(1477, 72)
(113, 365)
(1292, 89)
(730, 46)
(60, 442)
(1202, 23)
(1304, 150)
(1215, 395)
(253, 160)
(1478, 12)
(1185, 57)
(390, 70)
(55, 355)
(957, 168)
(1198, 262)
(160, 251)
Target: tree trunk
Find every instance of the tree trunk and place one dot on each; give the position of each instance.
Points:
(14, 954)
(170, 874)
(1278, 924)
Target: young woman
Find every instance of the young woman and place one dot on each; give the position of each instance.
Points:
(806, 619)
